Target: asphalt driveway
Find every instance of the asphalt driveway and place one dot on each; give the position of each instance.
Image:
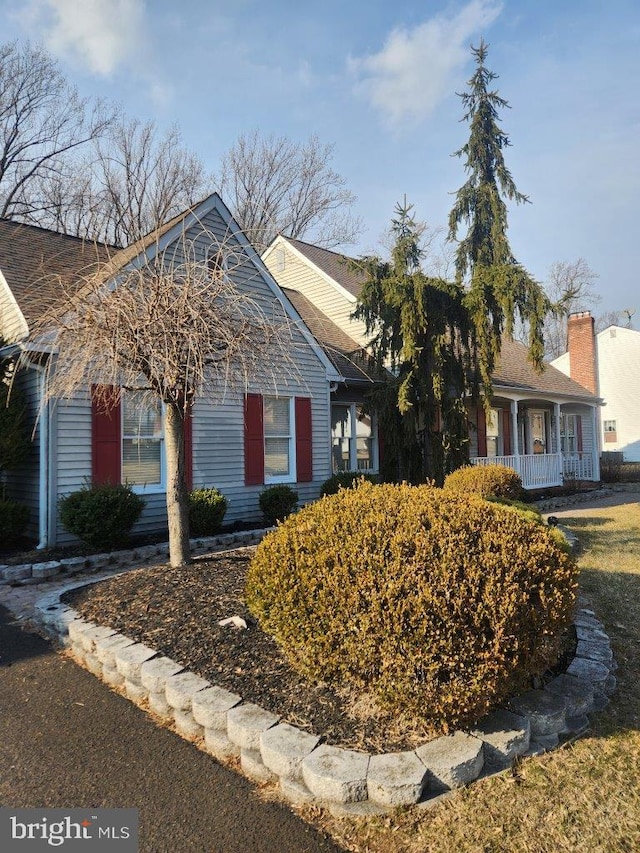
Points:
(67, 740)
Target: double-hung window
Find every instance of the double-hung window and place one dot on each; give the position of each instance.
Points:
(568, 433)
(142, 440)
(279, 459)
(352, 438)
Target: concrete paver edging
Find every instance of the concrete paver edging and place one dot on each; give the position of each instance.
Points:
(307, 770)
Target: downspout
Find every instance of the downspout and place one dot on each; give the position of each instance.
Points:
(43, 473)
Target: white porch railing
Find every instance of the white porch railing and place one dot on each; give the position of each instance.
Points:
(537, 470)
(541, 470)
(578, 466)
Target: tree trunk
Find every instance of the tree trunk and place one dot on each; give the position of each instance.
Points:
(177, 494)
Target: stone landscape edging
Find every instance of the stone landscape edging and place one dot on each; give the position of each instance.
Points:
(309, 771)
(26, 573)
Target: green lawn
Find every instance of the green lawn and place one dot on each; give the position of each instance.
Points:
(584, 797)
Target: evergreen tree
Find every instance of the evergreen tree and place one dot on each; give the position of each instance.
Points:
(419, 329)
(497, 287)
(442, 339)
(15, 442)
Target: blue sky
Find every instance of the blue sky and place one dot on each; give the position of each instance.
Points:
(378, 80)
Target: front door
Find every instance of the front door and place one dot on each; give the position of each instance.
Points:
(537, 432)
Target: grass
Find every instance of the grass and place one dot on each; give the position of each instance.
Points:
(584, 798)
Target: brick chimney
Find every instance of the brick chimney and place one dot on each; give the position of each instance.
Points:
(582, 350)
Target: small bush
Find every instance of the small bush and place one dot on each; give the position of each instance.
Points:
(277, 502)
(441, 605)
(102, 516)
(13, 520)
(344, 480)
(207, 509)
(496, 481)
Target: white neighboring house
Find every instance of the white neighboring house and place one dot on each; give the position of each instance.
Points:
(608, 363)
(239, 445)
(543, 425)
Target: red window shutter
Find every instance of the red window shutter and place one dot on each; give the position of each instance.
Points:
(481, 421)
(106, 436)
(253, 440)
(188, 450)
(304, 444)
(380, 448)
(506, 431)
(579, 433)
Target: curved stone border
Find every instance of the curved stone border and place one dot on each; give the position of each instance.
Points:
(344, 780)
(26, 573)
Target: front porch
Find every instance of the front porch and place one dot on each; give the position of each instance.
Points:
(546, 441)
(543, 470)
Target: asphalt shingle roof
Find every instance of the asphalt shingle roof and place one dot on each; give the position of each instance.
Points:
(347, 356)
(34, 262)
(516, 371)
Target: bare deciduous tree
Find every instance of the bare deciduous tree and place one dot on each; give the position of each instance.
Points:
(132, 178)
(175, 328)
(42, 120)
(276, 186)
(570, 287)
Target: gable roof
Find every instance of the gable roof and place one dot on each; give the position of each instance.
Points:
(347, 356)
(333, 264)
(515, 372)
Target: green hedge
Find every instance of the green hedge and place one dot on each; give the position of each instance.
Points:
(207, 509)
(13, 520)
(102, 516)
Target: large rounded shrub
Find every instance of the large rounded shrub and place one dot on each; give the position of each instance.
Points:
(496, 481)
(102, 516)
(439, 604)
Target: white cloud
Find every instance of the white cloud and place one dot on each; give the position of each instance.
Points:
(100, 34)
(417, 68)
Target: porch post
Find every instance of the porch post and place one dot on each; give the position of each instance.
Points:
(556, 411)
(515, 449)
(596, 444)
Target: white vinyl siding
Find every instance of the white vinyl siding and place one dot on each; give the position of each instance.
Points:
(618, 360)
(302, 277)
(13, 326)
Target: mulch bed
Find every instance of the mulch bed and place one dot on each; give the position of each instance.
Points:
(176, 612)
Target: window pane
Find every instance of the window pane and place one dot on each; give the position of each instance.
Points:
(276, 416)
(142, 416)
(340, 454)
(276, 457)
(341, 421)
(365, 458)
(140, 462)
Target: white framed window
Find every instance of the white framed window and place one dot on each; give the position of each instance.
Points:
(494, 434)
(352, 439)
(279, 440)
(610, 428)
(143, 465)
(568, 434)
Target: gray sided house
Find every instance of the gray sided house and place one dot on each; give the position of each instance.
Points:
(240, 444)
(544, 425)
